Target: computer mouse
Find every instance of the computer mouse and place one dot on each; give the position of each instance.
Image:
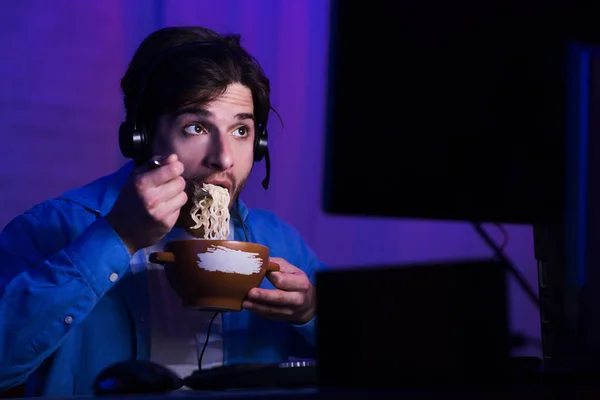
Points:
(133, 376)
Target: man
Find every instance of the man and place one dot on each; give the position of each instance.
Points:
(77, 292)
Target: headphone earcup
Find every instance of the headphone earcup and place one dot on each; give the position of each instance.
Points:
(126, 140)
(133, 143)
(260, 146)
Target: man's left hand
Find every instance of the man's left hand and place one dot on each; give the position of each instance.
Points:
(293, 298)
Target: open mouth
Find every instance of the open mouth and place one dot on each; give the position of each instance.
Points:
(220, 184)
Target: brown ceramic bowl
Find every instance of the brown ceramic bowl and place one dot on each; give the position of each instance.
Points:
(214, 274)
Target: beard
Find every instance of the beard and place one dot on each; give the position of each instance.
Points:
(235, 192)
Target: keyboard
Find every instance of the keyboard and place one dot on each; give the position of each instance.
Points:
(290, 374)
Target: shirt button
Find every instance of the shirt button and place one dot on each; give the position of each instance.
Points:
(113, 277)
(68, 319)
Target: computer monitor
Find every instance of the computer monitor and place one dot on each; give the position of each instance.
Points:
(477, 111)
(449, 110)
(568, 252)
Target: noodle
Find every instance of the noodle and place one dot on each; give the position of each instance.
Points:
(214, 219)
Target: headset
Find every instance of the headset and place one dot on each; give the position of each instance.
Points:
(136, 144)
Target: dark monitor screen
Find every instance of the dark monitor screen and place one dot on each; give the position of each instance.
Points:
(450, 109)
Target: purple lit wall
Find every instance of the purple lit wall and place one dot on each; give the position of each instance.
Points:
(60, 108)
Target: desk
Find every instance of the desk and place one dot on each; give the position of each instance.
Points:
(525, 392)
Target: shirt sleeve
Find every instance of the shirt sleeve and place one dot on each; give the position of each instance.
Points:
(51, 277)
(307, 261)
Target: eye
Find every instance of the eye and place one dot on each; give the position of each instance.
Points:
(194, 129)
(241, 131)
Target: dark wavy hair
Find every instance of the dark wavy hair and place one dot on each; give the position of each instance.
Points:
(170, 73)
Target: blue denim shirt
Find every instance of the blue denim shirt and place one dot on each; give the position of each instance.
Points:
(64, 317)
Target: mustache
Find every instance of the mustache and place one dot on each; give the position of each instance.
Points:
(226, 176)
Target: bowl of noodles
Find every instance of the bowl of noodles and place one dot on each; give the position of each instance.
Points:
(211, 272)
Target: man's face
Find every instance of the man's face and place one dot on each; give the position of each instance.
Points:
(214, 141)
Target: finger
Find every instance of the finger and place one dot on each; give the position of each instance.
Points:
(175, 203)
(159, 176)
(276, 297)
(167, 172)
(169, 209)
(164, 193)
(268, 311)
(171, 158)
(284, 265)
(170, 189)
(156, 162)
(289, 282)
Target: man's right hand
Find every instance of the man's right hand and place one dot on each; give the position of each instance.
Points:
(149, 203)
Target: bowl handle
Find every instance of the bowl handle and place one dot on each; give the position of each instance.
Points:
(162, 258)
(272, 267)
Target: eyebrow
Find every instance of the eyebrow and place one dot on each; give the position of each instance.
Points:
(205, 113)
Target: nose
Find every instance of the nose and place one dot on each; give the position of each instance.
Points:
(219, 156)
